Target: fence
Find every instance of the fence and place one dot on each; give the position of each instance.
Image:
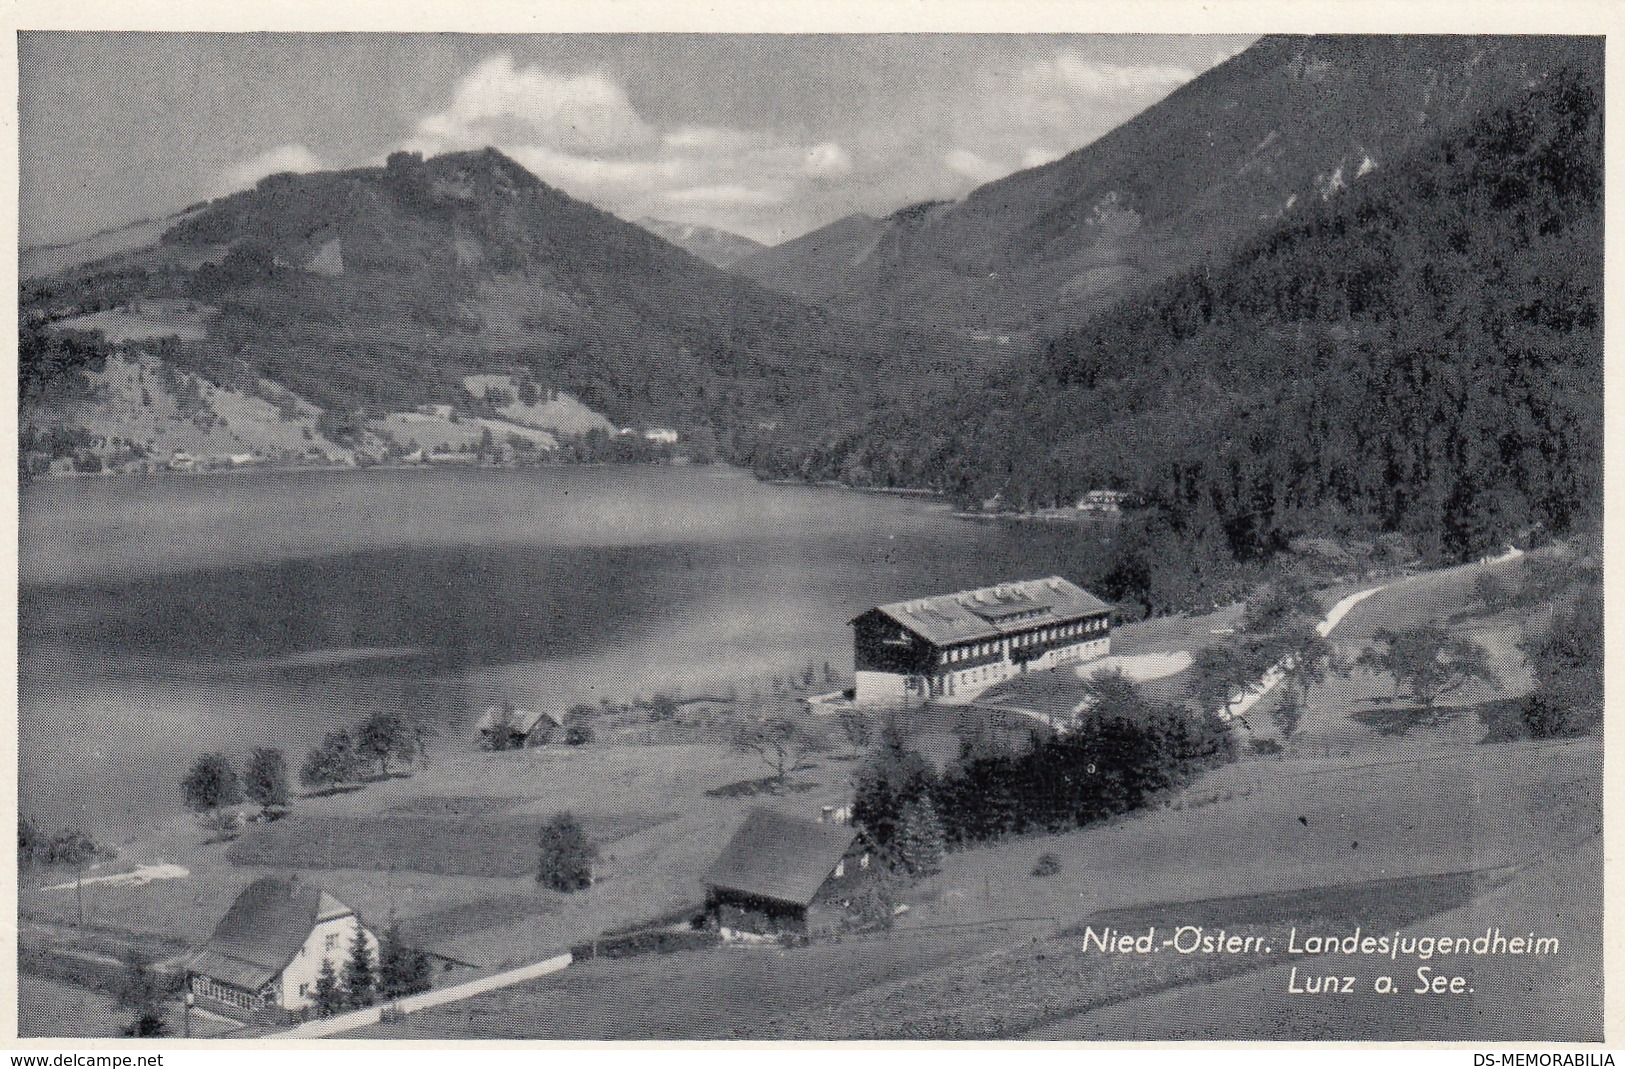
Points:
(345, 1022)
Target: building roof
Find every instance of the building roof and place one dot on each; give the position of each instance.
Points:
(523, 721)
(263, 930)
(992, 611)
(780, 857)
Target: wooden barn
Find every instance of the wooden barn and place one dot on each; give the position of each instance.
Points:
(954, 646)
(504, 727)
(779, 873)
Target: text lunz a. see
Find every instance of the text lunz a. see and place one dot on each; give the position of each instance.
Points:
(1191, 939)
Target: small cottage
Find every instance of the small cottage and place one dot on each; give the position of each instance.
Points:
(778, 873)
(268, 949)
(503, 727)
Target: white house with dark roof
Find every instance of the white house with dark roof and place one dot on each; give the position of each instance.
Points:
(268, 949)
(954, 646)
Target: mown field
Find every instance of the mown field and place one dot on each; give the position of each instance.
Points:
(49, 1008)
(463, 845)
(450, 850)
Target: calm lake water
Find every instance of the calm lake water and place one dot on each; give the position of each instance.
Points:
(166, 615)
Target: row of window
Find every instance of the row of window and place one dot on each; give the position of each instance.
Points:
(204, 987)
(1032, 638)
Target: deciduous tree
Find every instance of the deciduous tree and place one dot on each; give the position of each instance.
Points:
(384, 736)
(266, 779)
(212, 784)
(892, 778)
(331, 763)
(1429, 662)
(779, 742)
(140, 993)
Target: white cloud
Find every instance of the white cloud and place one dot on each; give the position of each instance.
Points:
(1033, 112)
(827, 160)
(978, 168)
(584, 114)
(708, 139)
(1097, 78)
(583, 134)
(602, 176)
(1071, 99)
(296, 158)
(1038, 155)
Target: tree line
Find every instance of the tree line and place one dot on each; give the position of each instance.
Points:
(1120, 753)
(215, 782)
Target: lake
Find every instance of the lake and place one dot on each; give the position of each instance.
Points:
(165, 615)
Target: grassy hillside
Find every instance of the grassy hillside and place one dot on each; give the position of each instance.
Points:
(380, 289)
(1433, 834)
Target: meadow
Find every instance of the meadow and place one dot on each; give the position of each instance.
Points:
(1431, 832)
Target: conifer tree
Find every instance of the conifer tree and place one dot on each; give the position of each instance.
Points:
(919, 837)
(403, 969)
(329, 995)
(360, 979)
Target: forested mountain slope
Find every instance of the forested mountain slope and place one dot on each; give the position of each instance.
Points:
(1421, 354)
(1285, 125)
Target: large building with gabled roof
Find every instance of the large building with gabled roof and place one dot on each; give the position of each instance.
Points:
(954, 646)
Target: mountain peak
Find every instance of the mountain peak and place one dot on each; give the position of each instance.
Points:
(718, 247)
(1286, 123)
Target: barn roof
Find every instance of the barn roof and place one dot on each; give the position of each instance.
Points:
(992, 611)
(780, 857)
(523, 721)
(263, 930)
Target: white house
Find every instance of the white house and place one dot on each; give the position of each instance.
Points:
(268, 949)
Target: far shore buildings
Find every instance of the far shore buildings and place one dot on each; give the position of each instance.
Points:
(268, 949)
(1109, 501)
(954, 646)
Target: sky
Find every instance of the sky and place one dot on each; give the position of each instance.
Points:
(768, 136)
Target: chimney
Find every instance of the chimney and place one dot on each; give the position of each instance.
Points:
(826, 814)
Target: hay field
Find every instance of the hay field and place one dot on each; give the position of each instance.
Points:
(449, 850)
